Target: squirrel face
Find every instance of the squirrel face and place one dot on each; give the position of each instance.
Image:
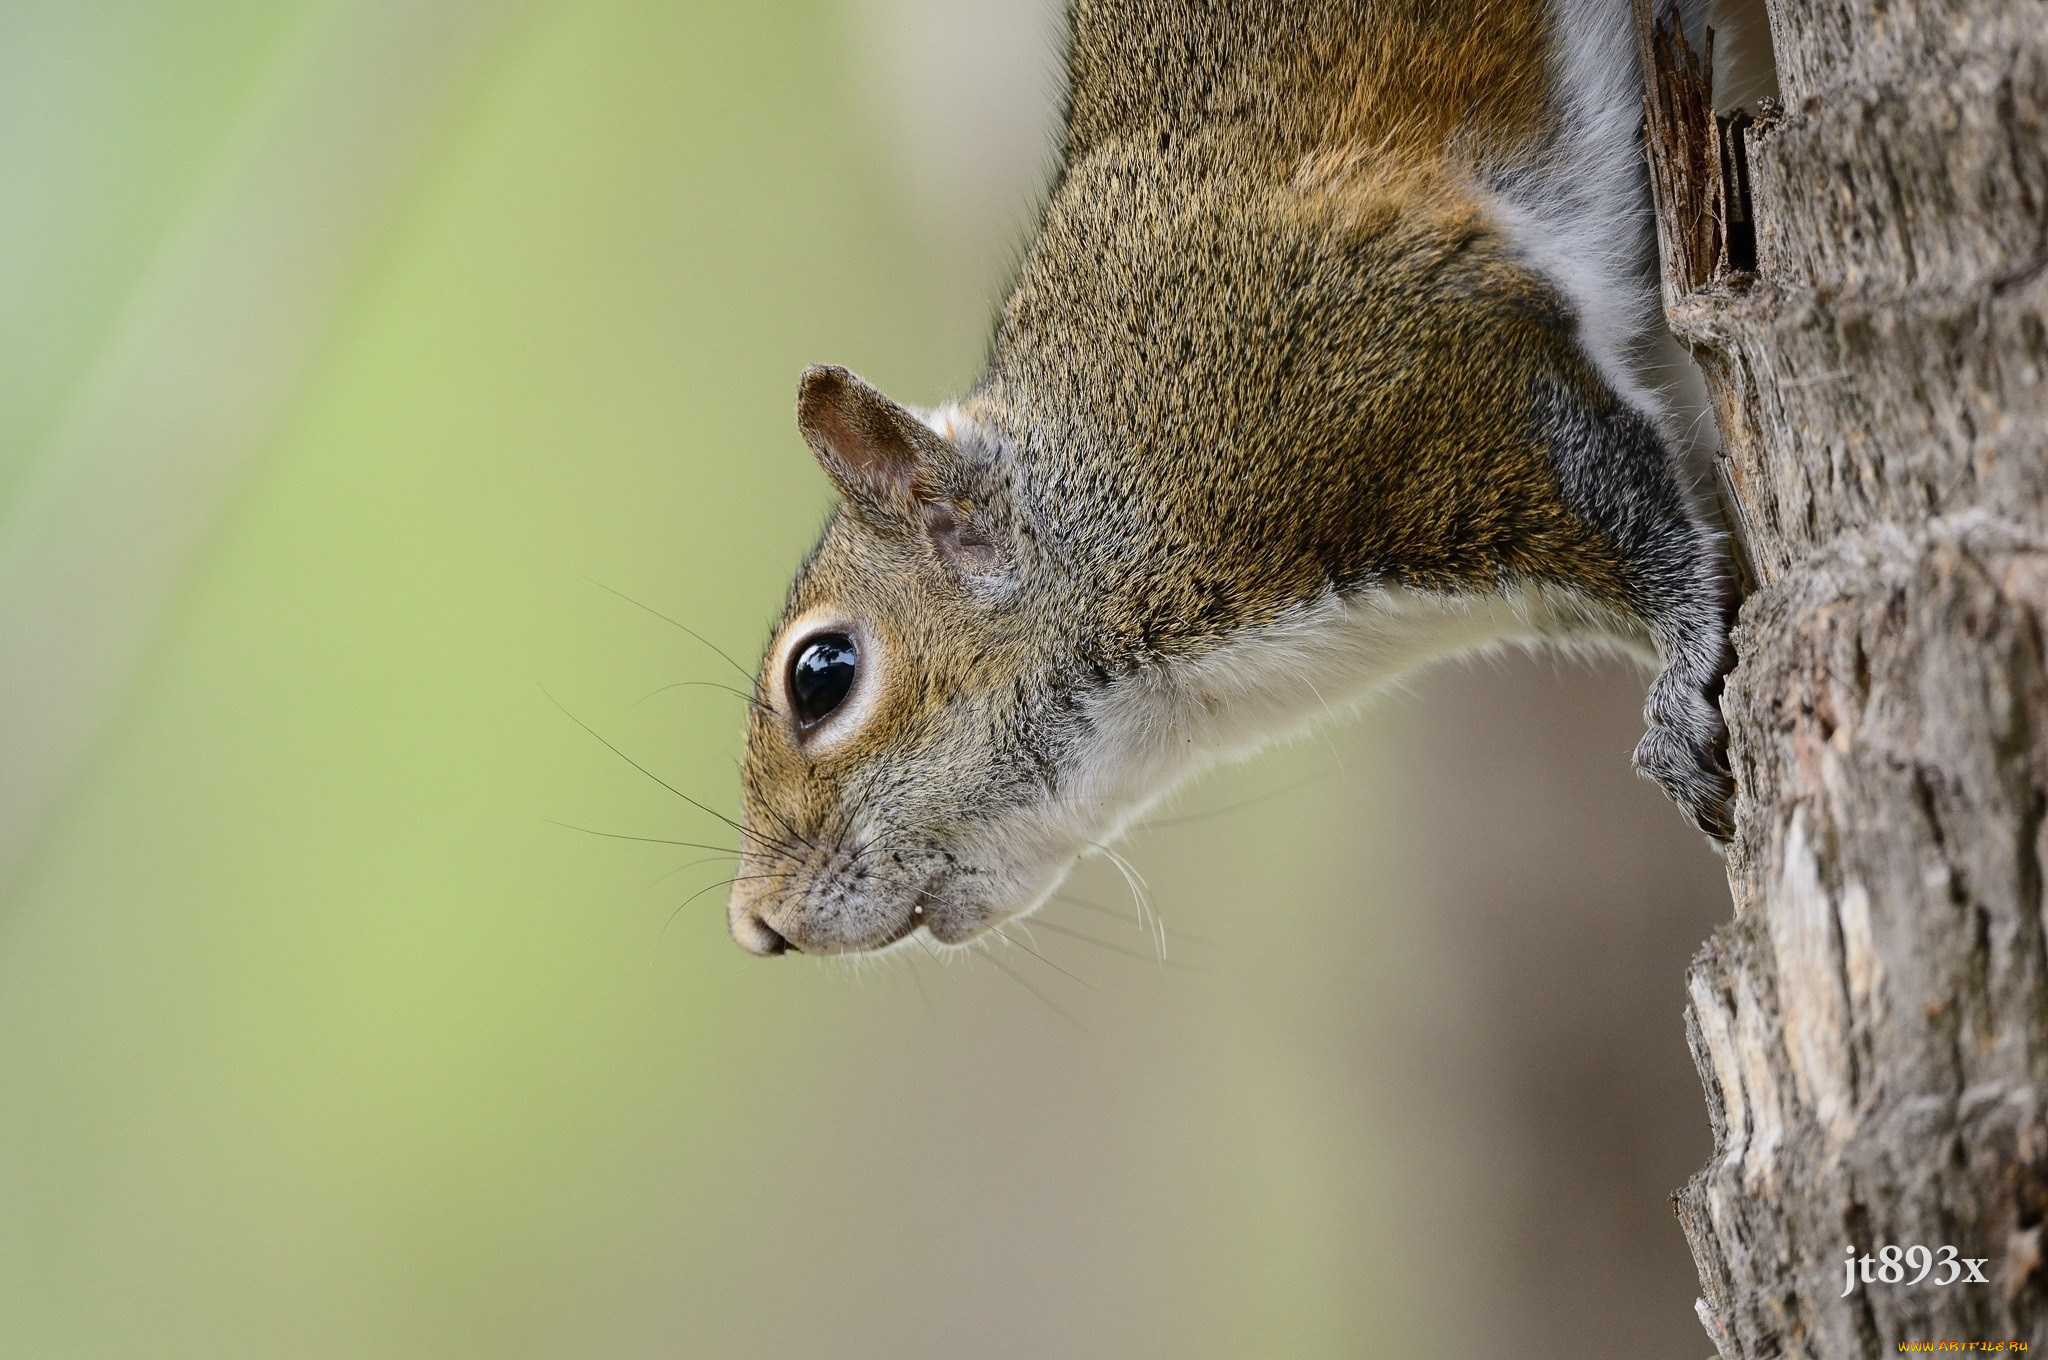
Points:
(902, 675)
(1319, 368)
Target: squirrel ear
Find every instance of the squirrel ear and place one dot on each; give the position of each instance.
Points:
(876, 452)
(888, 463)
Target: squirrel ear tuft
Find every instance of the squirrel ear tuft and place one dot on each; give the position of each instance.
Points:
(877, 453)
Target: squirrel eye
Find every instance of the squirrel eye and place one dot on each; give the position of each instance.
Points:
(821, 675)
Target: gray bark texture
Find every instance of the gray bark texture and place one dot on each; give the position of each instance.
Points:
(1860, 275)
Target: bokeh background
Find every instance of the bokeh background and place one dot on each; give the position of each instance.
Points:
(358, 358)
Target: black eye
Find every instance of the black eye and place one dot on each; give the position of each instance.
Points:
(821, 675)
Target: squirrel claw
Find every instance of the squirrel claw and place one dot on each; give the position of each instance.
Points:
(1689, 761)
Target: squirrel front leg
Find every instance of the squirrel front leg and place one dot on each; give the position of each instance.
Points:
(1684, 747)
(1674, 576)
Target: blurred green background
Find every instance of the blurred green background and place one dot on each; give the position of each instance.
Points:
(352, 355)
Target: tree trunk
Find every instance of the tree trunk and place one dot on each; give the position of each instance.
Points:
(1861, 279)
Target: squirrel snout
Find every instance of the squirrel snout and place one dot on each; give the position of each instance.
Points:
(757, 937)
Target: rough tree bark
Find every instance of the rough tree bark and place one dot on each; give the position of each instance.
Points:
(1861, 278)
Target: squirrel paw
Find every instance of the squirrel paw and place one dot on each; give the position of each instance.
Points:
(1686, 753)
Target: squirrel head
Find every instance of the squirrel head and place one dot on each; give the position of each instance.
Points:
(896, 762)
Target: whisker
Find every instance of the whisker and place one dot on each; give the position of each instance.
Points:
(744, 672)
(744, 831)
(1018, 978)
(709, 887)
(663, 933)
(695, 863)
(650, 840)
(1040, 923)
(1116, 914)
(1193, 817)
(1140, 895)
(705, 684)
(1007, 939)
(791, 832)
(852, 820)
(1331, 714)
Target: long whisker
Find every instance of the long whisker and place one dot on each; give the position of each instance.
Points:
(650, 840)
(1116, 914)
(744, 831)
(682, 868)
(852, 820)
(706, 684)
(1331, 714)
(1040, 923)
(790, 832)
(744, 672)
(1007, 939)
(1228, 808)
(709, 887)
(1139, 895)
(783, 822)
(1018, 978)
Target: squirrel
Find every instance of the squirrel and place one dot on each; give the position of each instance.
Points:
(1323, 364)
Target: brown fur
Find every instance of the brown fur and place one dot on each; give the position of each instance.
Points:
(1296, 76)
(1268, 348)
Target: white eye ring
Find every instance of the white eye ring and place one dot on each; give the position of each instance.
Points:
(822, 672)
(846, 713)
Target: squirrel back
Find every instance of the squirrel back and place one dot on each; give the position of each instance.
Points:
(1541, 100)
(1319, 367)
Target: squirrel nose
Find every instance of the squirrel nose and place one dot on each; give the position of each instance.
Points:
(756, 936)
